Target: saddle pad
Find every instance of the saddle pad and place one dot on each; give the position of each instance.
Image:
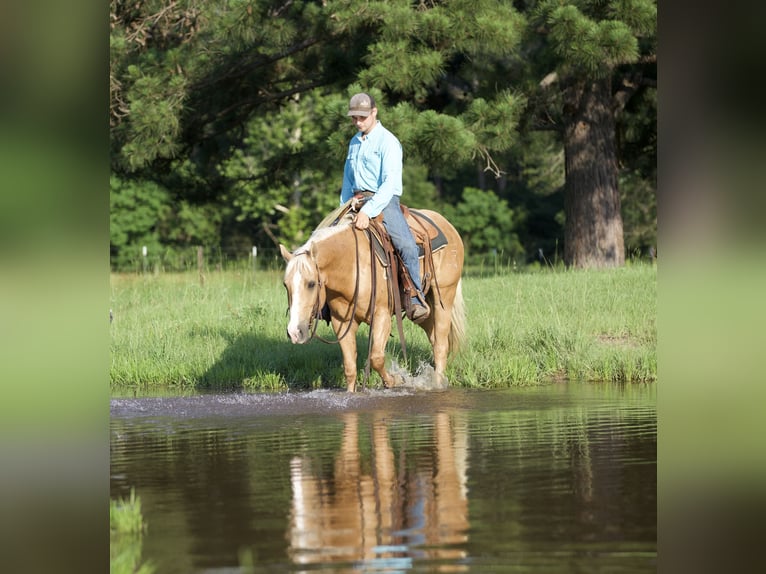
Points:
(438, 239)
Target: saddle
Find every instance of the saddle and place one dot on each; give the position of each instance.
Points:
(428, 237)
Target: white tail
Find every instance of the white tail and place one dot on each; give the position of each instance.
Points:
(458, 322)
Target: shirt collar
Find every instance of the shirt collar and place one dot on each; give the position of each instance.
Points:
(373, 132)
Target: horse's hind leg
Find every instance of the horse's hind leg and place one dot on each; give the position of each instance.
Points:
(437, 328)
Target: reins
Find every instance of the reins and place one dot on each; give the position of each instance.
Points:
(392, 292)
(316, 311)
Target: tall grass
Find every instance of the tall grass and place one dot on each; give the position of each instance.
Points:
(171, 330)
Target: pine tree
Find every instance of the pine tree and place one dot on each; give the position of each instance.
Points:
(598, 53)
(198, 87)
(241, 105)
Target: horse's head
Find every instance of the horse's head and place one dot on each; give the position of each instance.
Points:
(305, 293)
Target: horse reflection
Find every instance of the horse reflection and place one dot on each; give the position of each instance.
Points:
(388, 508)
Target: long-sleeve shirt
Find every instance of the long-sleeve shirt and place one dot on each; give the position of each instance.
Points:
(373, 164)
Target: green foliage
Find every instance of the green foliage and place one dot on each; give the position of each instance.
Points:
(592, 38)
(639, 15)
(236, 111)
(493, 122)
(592, 46)
(143, 213)
(155, 104)
(398, 67)
(485, 223)
(125, 516)
(534, 191)
(275, 175)
(442, 141)
(639, 214)
(418, 191)
(136, 207)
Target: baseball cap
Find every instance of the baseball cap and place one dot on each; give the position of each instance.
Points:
(361, 105)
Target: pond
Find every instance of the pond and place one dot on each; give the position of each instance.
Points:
(558, 478)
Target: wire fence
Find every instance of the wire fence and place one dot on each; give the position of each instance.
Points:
(256, 258)
(199, 259)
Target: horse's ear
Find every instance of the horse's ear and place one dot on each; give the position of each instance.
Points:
(285, 253)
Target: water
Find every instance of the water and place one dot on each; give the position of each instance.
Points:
(559, 478)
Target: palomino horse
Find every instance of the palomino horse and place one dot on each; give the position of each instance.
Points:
(334, 267)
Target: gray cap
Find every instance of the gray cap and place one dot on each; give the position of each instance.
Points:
(361, 105)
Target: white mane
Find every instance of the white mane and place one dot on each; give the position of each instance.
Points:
(320, 235)
(302, 263)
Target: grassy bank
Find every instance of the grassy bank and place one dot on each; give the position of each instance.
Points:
(523, 328)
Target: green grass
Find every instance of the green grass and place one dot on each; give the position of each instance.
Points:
(171, 331)
(591, 325)
(126, 529)
(125, 516)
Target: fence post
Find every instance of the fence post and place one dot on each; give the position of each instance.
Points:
(144, 251)
(201, 265)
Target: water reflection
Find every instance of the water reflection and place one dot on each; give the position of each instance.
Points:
(529, 480)
(379, 512)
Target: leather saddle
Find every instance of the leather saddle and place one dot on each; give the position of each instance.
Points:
(428, 237)
(427, 234)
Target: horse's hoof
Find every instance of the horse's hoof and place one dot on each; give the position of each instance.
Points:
(440, 381)
(396, 381)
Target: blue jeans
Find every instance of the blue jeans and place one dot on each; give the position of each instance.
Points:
(402, 238)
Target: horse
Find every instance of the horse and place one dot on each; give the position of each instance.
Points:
(336, 267)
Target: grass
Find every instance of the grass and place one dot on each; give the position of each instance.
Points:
(126, 529)
(172, 331)
(576, 325)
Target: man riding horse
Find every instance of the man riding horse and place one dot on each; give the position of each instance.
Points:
(374, 164)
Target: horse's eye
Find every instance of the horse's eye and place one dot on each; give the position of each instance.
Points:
(312, 284)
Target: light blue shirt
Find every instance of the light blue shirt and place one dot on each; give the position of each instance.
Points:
(373, 164)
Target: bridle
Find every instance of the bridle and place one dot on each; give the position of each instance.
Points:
(393, 293)
(316, 310)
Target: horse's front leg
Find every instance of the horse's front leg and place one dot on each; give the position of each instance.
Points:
(380, 332)
(348, 349)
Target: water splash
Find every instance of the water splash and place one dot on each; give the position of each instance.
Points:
(424, 379)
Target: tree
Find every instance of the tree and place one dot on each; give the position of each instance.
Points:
(598, 54)
(144, 213)
(238, 108)
(202, 94)
(486, 223)
(136, 208)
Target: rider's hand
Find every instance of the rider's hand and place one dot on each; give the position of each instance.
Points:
(357, 201)
(362, 220)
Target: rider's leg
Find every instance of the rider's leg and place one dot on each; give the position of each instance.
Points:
(404, 242)
(402, 238)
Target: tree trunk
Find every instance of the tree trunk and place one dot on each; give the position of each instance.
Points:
(593, 229)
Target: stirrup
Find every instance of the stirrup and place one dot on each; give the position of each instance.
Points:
(419, 313)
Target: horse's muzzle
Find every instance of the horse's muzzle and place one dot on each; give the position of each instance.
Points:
(298, 334)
